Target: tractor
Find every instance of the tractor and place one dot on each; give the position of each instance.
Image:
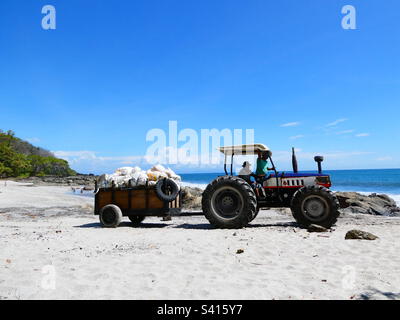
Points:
(233, 202)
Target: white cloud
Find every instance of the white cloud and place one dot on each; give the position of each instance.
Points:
(362, 135)
(91, 162)
(336, 122)
(297, 137)
(388, 158)
(75, 154)
(345, 132)
(290, 124)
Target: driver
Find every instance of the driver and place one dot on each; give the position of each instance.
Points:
(262, 164)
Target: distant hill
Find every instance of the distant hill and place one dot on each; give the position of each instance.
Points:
(19, 158)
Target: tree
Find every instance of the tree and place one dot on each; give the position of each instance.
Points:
(13, 163)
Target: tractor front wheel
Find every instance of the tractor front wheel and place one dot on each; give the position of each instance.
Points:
(315, 205)
(229, 202)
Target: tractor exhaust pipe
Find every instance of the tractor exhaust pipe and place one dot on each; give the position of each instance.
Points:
(318, 160)
(294, 162)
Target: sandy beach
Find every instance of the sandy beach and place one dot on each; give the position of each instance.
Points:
(52, 247)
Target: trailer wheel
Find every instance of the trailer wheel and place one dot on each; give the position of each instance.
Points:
(229, 202)
(315, 205)
(136, 220)
(167, 189)
(110, 216)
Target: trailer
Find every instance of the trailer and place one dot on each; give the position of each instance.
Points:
(162, 199)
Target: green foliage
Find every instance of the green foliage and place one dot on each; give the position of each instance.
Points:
(42, 166)
(19, 158)
(13, 163)
(4, 171)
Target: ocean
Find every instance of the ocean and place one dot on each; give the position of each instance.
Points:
(363, 181)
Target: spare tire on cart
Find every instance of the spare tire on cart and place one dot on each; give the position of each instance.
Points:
(167, 189)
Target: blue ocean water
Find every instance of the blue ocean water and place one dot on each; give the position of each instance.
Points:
(371, 180)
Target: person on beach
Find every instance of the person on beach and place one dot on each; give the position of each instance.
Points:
(262, 164)
(246, 169)
(261, 171)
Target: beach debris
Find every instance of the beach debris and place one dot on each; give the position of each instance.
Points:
(135, 176)
(239, 251)
(316, 228)
(360, 235)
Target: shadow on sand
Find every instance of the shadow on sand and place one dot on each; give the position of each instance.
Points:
(125, 224)
(207, 226)
(192, 226)
(373, 293)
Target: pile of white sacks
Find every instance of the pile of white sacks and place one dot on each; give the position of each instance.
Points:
(135, 176)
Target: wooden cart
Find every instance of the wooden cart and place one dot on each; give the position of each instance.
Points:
(134, 202)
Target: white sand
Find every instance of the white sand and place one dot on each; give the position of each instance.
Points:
(185, 258)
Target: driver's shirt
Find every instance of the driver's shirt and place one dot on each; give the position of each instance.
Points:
(262, 167)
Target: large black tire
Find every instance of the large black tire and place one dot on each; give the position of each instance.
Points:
(315, 205)
(255, 214)
(229, 202)
(136, 220)
(167, 189)
(110, 216)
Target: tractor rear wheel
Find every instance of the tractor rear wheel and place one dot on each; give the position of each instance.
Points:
(315, 205)
(229, 202)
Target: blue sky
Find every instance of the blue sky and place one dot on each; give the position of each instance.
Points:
(113, 70)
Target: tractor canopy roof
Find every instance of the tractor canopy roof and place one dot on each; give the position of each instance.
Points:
(245, 149)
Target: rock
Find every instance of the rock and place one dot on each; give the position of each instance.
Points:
(316, 228)
(376, 204)
(191, 198)
(358, 234)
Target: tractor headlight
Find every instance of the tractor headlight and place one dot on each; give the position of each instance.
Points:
(324, 180)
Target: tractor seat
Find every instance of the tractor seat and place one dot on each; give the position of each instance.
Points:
(246, 178)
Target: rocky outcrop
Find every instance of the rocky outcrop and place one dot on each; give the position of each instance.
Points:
(78, 180)
(191, 198)
(376, 204)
